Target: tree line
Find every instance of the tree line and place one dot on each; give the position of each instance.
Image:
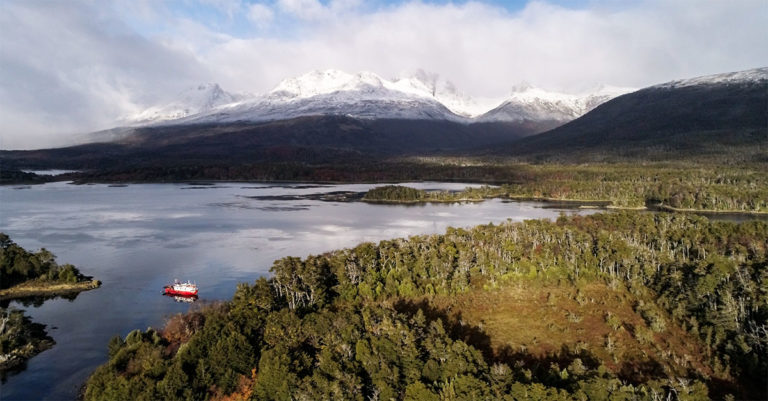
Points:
(17, 265)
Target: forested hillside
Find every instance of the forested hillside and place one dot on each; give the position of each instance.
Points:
(620, 306)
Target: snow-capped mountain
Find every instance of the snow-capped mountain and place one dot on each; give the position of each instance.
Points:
(194, 100)
(332, 92)
(756, 75)
(527, 103)
(419, 96)
(430, 85)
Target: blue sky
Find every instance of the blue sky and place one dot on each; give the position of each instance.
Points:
(75, 66)
(231, 16)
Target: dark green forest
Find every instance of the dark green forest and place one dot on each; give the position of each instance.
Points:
(625, 305)
(395, 193)
(404, 194)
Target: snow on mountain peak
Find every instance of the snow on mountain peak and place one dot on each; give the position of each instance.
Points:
(318, 82)
(420, 95)
(747, 76)
(430, 85)
(191, 101)
(312, 83)
(333, 92)
(527, 102)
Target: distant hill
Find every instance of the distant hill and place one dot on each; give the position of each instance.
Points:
(723, 116)
(316, 139)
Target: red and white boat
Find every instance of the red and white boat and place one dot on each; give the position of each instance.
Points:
(182, 289)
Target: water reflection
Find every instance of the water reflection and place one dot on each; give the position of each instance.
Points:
(36, 300)
(187, 299)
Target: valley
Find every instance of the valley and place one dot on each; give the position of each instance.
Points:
(622, 292)
(390, 200)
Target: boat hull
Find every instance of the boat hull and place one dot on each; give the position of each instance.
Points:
(171, 291)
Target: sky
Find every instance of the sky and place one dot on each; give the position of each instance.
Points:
(69, 67)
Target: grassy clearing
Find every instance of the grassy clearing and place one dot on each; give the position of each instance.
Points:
(534, 324)
(35, 288)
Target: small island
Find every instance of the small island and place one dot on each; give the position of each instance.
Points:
(26, 274)
(403, 194)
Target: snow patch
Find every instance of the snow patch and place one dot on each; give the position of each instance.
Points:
(194, 100)
(756, 75)
(534, 104)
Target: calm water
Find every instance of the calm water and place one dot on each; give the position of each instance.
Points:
(136, 239)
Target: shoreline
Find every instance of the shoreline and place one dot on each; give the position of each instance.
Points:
(580, 203)
(18, 358)
(419, 202)
(706, 211)
(38, 289)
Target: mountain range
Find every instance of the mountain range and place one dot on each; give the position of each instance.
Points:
(365, 95)
(331, 117)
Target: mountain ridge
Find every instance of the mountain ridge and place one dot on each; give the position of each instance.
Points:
(720, 118)
(535, 104)
(367, 95)
(702, 116)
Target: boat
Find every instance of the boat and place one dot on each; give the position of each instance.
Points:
(181, 289)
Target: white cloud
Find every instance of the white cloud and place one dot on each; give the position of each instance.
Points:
(485, 50)
(69, 67)
(315, 10)
(260, 14)
(303, 9)
(228, 7)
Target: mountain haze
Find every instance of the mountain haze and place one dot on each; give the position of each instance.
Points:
(194, 100)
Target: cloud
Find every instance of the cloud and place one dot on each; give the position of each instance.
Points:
(260, 14)
(77, 66)
(69, 68)
(303, 9)
(485, 49)
(315, 10)
(228, 7)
